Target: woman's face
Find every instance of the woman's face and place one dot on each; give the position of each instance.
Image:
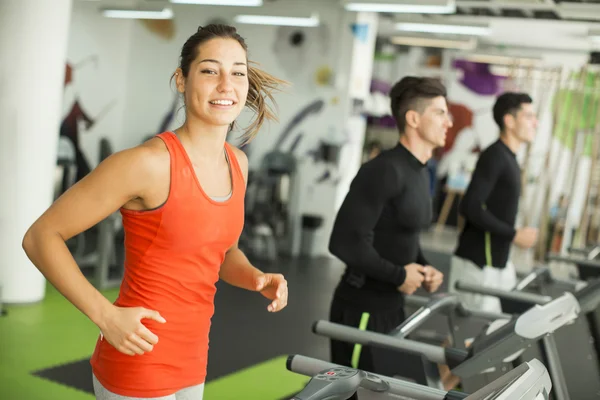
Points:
(216, 87)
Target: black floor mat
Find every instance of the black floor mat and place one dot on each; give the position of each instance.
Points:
(77, 374)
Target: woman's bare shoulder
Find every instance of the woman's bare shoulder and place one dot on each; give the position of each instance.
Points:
(242, 159)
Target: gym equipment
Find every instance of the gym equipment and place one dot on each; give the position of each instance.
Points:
(447, 304)
(461, 329)
(586, 261)
(529, 381)
(272, 190)
(574, 369)
(66, 167)
(500, 343)
(99, 251)
(461, 322)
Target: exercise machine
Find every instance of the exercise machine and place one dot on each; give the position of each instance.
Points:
(462, 329)
(66, 166)
(270, 206)
(490, 353)
(461, 322)
(587, 261)
(528, 381)
(99, 251)
(571, 353)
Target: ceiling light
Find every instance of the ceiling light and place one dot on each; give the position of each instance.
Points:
(415, 8)
(439, 43)
(277, 20)
(440, 28)
(165, 13)
(246, 3)
(500, 60)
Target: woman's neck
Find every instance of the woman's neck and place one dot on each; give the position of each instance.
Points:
(203, 142)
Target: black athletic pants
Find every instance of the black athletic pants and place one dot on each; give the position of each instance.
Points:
(353, 355)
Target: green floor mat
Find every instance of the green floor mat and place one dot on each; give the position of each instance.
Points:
(269, 380)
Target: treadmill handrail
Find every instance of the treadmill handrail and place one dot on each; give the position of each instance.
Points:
(589, 252)
(414, 300)
(537, 273)
(580, 260)
(438, 303)
(525, 382)
(589, 296)
(521, 297)
(436, 354)
(505, 339)
(310, 367)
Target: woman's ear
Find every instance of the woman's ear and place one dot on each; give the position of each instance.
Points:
(179, 80)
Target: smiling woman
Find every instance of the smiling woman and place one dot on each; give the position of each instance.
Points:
(199, 72)
(181, 195)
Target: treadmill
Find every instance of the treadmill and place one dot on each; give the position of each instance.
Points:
(489, 355)
(528, 381)
(462, 329)
(571, 353)
(587, 261)
(462, 322)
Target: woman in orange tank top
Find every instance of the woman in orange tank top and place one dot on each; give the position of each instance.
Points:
(181, 195)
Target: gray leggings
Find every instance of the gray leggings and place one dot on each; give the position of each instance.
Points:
(191, 393)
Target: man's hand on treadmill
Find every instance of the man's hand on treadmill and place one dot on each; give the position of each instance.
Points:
(526, 237)
(415, 275)
(433, 279)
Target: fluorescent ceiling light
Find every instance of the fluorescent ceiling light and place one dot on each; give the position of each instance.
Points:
(439, 28)
(247, 3)
(500, 60)
(402, 8)
(277, 20)
(165, 13)
(430, 42)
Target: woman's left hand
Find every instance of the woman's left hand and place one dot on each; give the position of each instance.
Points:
(273, 287)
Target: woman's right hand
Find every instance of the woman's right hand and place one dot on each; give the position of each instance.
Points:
(123, 329)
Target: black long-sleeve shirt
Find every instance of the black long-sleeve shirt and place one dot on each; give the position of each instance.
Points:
(376, 231)
(490, 204)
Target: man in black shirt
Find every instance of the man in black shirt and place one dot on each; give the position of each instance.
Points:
(376, 232)
(491, 203)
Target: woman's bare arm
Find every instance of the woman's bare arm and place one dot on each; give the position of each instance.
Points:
(238, 271)
(120, 178)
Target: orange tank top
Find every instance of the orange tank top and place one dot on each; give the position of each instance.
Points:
(172, 259)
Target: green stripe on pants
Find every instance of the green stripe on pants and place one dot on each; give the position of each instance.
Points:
(364, 320)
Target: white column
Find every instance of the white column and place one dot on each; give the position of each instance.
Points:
(33, 48)
(358, 84)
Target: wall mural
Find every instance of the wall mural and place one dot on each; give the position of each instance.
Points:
(71, 123)
(478, 78)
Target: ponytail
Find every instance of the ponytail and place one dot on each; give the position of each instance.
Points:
(262, 85)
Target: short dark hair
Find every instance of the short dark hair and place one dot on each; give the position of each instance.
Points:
(409, 93)
(509, 103)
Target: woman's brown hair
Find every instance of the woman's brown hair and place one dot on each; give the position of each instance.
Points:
(262, 85)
